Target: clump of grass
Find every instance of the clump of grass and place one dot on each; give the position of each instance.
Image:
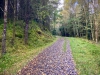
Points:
(64, 45)
(86, 55)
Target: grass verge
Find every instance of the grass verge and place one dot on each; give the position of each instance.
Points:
(12, 62)
(19, 54)
(86, 55)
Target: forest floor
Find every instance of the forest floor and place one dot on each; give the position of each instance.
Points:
(54, 60)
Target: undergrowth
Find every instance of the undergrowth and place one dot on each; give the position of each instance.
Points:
(19, 54)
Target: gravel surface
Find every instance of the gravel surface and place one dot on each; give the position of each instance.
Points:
(52, 61)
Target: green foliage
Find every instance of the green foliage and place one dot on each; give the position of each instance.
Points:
(1, 21)
(36, 36)
(54, 32)
(86, 55)
(39, 10)
(1, 29)
(19, 52)
(69, 27)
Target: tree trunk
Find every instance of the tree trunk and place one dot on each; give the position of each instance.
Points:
(92, 29)
(14, 22)
(86, 21)
(96, 31)
(26, 22)
(86, 29)
(4, 29)
(92, 32)
(26, 32)
(78, 29)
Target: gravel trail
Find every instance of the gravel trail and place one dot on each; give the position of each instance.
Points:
(52, 61)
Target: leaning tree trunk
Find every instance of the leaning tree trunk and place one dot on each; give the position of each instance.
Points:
(4, 29)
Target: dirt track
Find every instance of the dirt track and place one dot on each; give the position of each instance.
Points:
(52, 61)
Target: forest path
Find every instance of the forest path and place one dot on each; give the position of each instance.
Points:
(54, 60)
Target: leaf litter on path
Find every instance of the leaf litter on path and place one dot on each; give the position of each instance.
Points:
(52, 61)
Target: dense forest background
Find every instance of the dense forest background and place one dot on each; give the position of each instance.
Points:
(81, 18)
(25, 21)
(28, 26)
(21, 19)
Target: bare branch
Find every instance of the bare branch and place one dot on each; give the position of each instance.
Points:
(1, 9)
(12, 5)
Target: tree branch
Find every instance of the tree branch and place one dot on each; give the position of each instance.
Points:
(1, 9)
(12, 5)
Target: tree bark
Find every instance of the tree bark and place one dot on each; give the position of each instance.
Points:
(14, 22)
(26, 32)
(26, 22)
(78, 29)
(5, 28)
(92, 29)
(96, 31)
